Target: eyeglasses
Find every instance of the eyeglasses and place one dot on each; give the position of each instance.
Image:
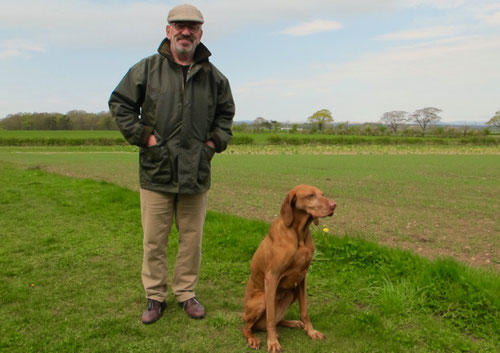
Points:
(180, 26)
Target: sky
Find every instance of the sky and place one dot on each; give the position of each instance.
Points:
(285, 59)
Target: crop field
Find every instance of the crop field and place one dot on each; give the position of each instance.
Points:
(410, 261)
(432, 200)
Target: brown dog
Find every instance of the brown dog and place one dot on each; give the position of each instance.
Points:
(279, 267)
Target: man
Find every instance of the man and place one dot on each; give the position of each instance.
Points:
(178, 108)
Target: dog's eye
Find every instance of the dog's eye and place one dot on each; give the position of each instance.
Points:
(310, 196)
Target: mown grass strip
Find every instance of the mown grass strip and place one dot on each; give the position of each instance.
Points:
(70, 281)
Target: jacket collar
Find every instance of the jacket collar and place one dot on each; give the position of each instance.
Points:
(200, 54)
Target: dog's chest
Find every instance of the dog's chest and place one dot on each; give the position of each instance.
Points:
(297, 270)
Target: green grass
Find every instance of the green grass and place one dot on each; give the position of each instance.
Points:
(70, 282)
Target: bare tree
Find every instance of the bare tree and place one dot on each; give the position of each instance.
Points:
(275, 124)
(426, 116)
(261, 123)
(394, 119)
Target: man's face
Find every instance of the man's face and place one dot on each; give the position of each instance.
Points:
(184, 36)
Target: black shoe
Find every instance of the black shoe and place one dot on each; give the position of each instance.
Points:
(153, 312)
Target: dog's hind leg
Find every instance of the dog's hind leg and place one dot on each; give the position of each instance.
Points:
(255, 308)
(253, 342)
(291, 323)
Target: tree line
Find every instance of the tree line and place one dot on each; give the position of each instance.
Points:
(72, 120)
(423, 118)
(393, 123)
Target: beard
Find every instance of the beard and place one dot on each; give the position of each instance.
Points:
(184, 49)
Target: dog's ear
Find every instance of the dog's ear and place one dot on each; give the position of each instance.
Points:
(286, 209)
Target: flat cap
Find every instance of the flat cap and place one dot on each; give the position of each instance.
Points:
(185, 13)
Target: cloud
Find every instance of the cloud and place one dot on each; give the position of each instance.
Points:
(459, 75)
(114, 24)
(139, 23)
(490, 14)
(432, 68)
(313, 27)
(258, 11)
(19, 48)
(85, 24)
(494, 19)
(438, 4)
(422, 33)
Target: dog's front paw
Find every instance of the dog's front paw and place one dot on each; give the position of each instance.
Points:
(316, 335)
(273, 347)
(254, 343)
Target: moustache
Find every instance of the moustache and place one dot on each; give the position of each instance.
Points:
(179, 37)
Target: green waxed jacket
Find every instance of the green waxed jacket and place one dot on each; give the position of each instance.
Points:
(153, 98)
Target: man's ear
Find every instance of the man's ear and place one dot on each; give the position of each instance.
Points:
(287, 209)
(168, 29)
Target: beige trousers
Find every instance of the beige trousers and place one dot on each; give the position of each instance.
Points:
(158, 211)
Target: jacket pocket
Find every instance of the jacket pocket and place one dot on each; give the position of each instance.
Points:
(207, 153)
(155, 164)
